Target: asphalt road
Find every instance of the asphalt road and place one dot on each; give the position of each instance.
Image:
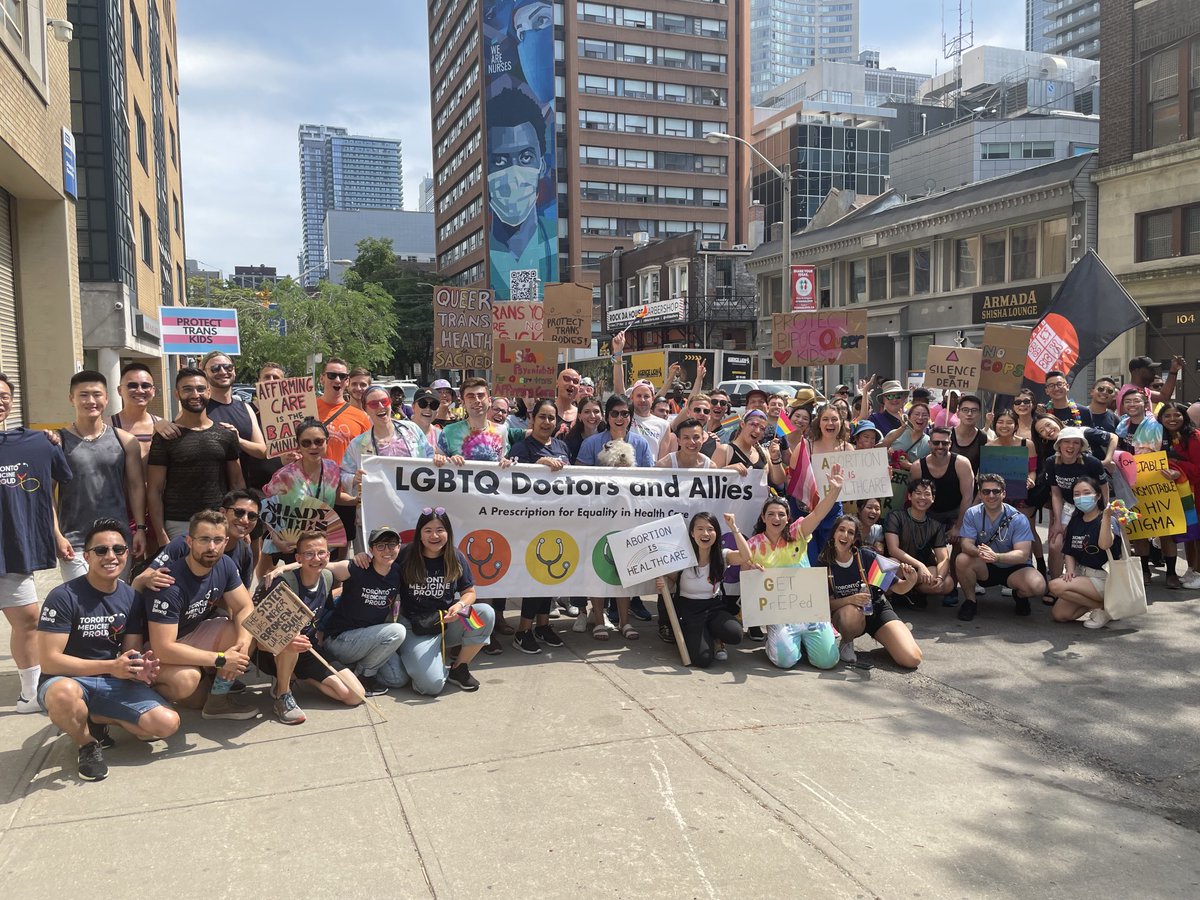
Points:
(1023, 759)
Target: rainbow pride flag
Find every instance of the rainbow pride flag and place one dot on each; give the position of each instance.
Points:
(730, 420)
(1189, 503)
(883, 572)
(471, 619)
(643, 312)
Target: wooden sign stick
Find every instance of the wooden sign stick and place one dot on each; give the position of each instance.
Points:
(665, 597)
(342, 678)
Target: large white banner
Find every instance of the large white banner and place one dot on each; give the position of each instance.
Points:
(530, 532)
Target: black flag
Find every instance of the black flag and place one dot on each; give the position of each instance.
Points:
(1089, 311)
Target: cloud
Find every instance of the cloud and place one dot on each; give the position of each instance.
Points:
(909, 36)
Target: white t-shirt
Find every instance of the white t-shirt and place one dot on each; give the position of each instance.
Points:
(693, 581)
(653, 429)
(673, 461)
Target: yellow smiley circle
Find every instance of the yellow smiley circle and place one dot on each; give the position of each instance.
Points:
(552, 557)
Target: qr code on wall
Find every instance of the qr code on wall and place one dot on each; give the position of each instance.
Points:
(523, 284)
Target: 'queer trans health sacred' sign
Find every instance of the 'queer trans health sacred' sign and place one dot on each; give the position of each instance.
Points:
(530, 532)
(195, 330)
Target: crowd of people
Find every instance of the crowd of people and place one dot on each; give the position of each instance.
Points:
(156, 526)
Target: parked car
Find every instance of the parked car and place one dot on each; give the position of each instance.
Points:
(245, 392)
(409, 387)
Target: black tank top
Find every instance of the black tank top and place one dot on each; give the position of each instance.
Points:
(947, 494)
(740, 457)
(236, 414)
(971, 450)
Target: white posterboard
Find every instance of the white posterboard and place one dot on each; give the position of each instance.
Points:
(647, 551)
(865, 473)
(785, 596)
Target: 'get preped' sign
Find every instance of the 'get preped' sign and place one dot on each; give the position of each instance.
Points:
(785, 596)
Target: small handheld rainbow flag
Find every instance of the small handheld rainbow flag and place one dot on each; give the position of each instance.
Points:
(730, 420)
(471, 619)
(882, 572)
(783, 427)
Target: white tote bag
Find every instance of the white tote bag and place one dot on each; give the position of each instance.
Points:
(1124, 589)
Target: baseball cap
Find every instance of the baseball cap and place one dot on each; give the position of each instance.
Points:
(750, 393)
(424, 394)
(378, 534)
(441, 384)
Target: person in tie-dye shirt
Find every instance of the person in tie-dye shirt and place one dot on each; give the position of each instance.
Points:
(312, 475)
(476, 438)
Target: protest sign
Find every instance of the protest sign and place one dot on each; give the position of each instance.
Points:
(568, 315)
(283, 405)
(953, 368)
(462, 328)
(865, 473)
(650, 365)
(517, 320)
(526, 369)
(194, 331)
(1011, 464)
(785, 596)
(286, 520)
(1159, 504)
(645, 552)
(1005, 349)
(819, 338)
(530, 532)
(278, 618)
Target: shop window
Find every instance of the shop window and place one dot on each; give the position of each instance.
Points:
(877, 277)
(1054, 247)
(992, 257)
(1023, 252)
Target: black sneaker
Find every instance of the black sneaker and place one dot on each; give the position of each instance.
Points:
(920, 601)
(237, 686)
(547, 636)
(462, 676)
(372, 686)
(91, 762)
(966, 612)
(526, 643)
(610, 610)
(1022, 606)
(755, 633)
(493, 647)
(638, 610)
(665, 634)
(101, 735)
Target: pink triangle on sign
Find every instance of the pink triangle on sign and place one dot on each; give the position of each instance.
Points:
(952, 356)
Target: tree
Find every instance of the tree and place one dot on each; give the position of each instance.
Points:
(412, 298)
(283, 324)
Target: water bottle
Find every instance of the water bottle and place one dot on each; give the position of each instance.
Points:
(869, 607)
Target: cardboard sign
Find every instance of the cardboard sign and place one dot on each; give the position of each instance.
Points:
(647, 551)
(283, 405)
(788, 596)
(1158, 500)
(819, 338)
(194, 331)
(517, 320)
(525, 369)
(953, 368)
(651, 365)
(462, 328)
(286, 521)
(1005, 349)
(804, 288)
(1011, 464)
(278, 618)
(865, 473)
(568, 315)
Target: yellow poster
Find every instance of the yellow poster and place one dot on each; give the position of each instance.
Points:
(1158, 501)
(650, 365)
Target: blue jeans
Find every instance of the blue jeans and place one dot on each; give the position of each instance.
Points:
(421, 654)
(373, 651)
(110, 697)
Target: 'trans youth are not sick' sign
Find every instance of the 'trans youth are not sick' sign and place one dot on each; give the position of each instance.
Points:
(648, 551)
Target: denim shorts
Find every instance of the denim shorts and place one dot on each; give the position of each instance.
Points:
(112, 698)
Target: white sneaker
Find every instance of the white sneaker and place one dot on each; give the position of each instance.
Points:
(1191, 582)
(846, 653)
(581, 624)
(555, 612)
(721, 655)
(980, 591)
(1097, 618)
(1006, 592)
(27, 706)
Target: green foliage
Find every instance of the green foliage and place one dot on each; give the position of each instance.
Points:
(358, 325)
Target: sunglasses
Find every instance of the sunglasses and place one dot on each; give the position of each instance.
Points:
(990, 492)
(312, 442)
(383, 403)
(221, 367)
(619, 414)
(939, 443)
(702, 412)
(427, 404)
(1023, 402)
(1105, 389)
(720, 403)
(139, 386)
(115, 549)
(243, 514)
(894, 396)
(434, 511)
(337, 376)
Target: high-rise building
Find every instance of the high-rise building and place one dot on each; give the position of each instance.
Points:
(1072, 28)
(1035, 25)
(40, 329)
(425, 195)
(789, 36)
(410, 232)
(125, 119)
(339, 170)
(628, 92)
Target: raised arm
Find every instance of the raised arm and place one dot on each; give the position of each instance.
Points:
(618, 363)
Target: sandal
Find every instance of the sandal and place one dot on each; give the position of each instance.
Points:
(629, 632)
(600, 632)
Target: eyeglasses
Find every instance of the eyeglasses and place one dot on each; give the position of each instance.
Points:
(968, 410)
(314, 554)
(215, 541)
(222, 367)
(337, 376)
(115, 549)
(383, 403)
(991, 492)
(139, 386)
(243, 513)
(386, 545)
(426, 403)
(939, 443)
(434, 511)
(1022, 401)
(1055, 384)
(619, 414)
(312, 442)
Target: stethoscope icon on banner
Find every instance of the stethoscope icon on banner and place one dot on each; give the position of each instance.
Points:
(490, 558)
(550, 563)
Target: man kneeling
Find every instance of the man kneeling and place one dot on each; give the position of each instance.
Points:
(89, 638)
(184, 632)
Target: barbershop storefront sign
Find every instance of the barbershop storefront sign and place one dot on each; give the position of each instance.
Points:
(657, 313)
(1003, 304)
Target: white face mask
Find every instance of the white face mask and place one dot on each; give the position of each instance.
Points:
(512, 192)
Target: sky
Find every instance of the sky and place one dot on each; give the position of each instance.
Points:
(251, 71)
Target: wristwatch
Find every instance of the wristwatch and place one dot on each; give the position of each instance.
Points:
(220, 661)
(141, 527)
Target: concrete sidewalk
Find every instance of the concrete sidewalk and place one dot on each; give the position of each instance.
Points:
(1025, 758)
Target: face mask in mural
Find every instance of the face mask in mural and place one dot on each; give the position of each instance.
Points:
(533, 24)
(512, 192)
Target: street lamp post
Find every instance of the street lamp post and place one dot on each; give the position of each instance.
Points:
(785, 176)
